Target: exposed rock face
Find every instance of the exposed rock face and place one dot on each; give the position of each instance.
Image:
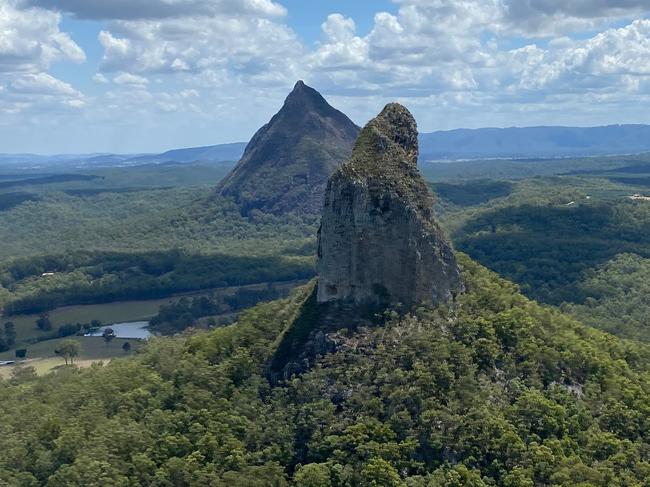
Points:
(286, 164)
(378, 246)
(379, 243)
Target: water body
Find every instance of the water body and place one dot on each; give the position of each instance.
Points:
(135, 329)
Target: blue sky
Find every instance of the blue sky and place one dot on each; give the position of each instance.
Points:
(150, 75)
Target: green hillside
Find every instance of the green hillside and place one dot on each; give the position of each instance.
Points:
(498, 391)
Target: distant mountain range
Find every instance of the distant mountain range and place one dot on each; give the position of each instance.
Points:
(529, 142)
(514, 142)
(210, 153)
(213, 153)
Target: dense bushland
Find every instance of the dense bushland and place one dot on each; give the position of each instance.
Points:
(497, 391)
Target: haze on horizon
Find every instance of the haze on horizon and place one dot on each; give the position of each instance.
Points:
(150, 75)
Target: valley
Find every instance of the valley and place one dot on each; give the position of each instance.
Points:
(116, 222)
(289, 243)
(433, 324)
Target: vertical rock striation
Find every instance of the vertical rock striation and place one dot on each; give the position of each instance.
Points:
(379, 243)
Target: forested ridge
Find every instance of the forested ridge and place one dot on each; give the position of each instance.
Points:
(497, 390)
(617, 299)
(149, 220)
(555, 244)
(43, 283)
(141, 245)
(581, 244)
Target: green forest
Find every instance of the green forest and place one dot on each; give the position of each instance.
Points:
(93, 239)
(560, 239)
(433, 273)
(40, 284)
(497, 391)
(114, 234)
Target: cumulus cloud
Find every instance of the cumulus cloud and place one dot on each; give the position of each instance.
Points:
(482, 62)
(548, 17)
(256, 50)
(615, 62)
(31, 40)
(427, 46)
(130, 79)
(488, 62)
(342, 48)
(100, 78)
(159, 9)
(618, 51)
(42, 84)
(36, 94)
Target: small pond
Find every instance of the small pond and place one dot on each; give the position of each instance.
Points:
(135, 329)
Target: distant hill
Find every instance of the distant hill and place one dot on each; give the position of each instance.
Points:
(36, 160)
(534, 142)
(483, 143)
(286, 164)
(210, 153)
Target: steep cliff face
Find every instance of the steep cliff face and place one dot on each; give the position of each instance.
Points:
(286, 164)
(379, 246)
(379, 243)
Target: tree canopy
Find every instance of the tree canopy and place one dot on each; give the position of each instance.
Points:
(495, 391)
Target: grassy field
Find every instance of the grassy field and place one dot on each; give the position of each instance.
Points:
(93, 349)
(108, 313)
(115, 312)
(42, 355)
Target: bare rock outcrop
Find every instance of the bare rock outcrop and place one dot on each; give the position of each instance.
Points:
(379, 246)
(379, 243)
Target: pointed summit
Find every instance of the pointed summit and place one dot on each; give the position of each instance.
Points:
(301, 89)
(287, 162)
(379, 243)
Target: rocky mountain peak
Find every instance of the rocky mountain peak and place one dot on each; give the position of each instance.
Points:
(303, 103)
(379, 246)
(396, 125)
(287, 162)
(379, 243)
(302, 92)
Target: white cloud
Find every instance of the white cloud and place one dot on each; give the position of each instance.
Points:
(130, 79)
(550, 17)
(33, 95)
(427, 47)
(338, 28)
(159, 9)
(173, 64)
(100, 78)
(255, 50)
(618, 51)
(438, 46)
(342, 48)
(454, 62)
(42, 84)
(614, 60)
(31, 41)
